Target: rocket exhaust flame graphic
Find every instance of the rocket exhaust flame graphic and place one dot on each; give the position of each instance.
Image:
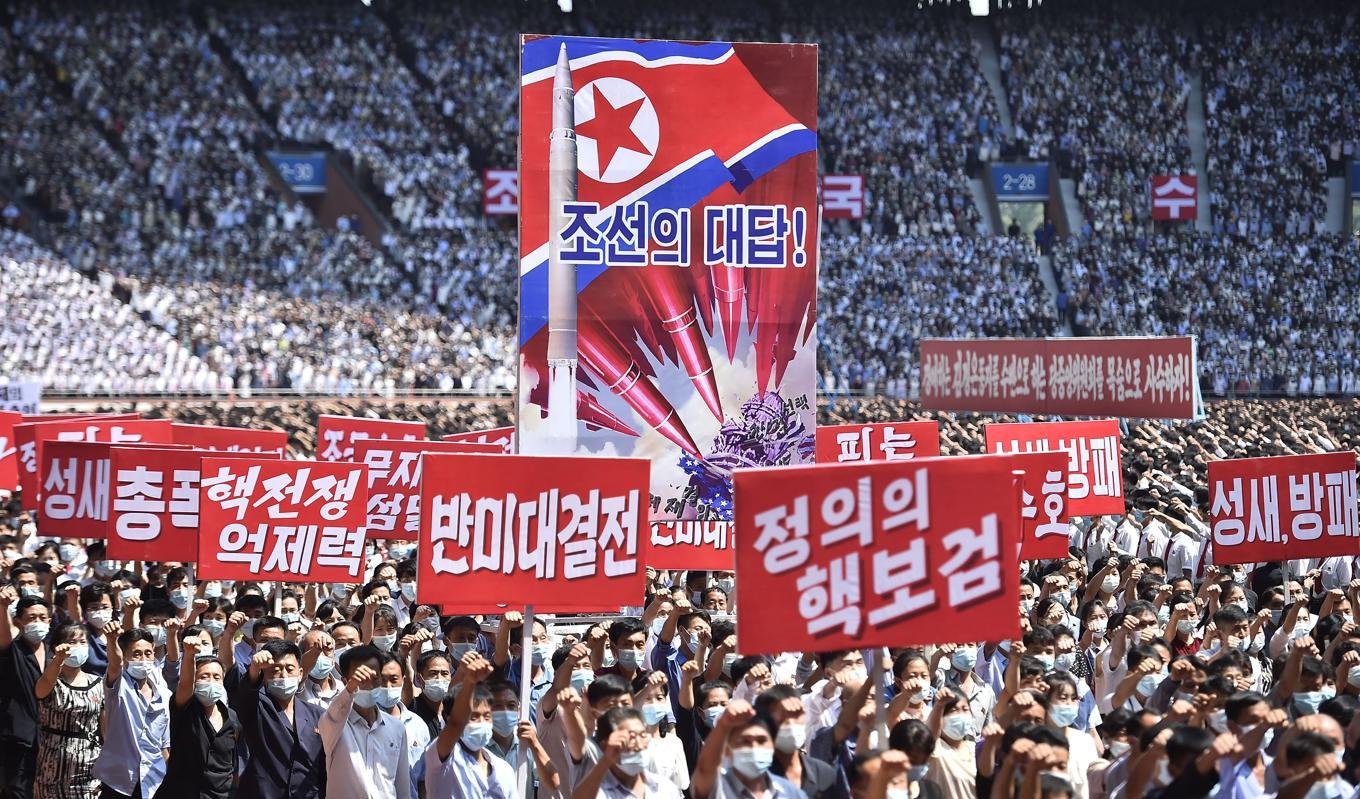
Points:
(562, 352)
(607, 359)
(674, 305)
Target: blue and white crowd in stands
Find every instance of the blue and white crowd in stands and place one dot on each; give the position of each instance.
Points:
(135, 131)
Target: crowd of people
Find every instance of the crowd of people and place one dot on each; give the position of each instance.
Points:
(135, 133)
(1141, 668)
(880, 295)
(1074, 75)
(1280, 106)
(1270, 314)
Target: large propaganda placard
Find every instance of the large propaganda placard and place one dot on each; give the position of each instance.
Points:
(1291, 506)
(30, 438)
(565, 532)
(1095, 474)
(880, 441)
(231, 439)
(394, 481)
(335, 435)
(270, 519)
(877, 554)
(153, 501)
(668, 258)
(1134, 376)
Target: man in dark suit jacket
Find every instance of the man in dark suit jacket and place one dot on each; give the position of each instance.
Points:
(287, 760)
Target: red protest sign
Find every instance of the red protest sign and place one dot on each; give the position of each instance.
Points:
(394, 482)
(9, 463)
(231, 439)
(335, 435)
(883, 441)
(550, 531)
(1095, 484)
(505, 436)
(1043, 505)
(693, 545)
(1174, 197)
(294, 520)
(1292, 506)
(153, 496)
(1132, 376)
(877, 554)
(30, 439)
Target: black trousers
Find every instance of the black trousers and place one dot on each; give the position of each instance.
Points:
(18, 765)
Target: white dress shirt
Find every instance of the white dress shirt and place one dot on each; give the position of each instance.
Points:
(364, 761)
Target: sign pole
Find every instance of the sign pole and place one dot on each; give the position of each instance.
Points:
(526, 679)
(880, 706)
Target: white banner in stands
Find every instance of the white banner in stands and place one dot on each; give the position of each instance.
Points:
(25, 398)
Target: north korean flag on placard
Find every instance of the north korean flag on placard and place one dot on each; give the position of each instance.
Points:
(680, 324)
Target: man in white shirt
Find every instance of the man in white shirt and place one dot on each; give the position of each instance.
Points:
(366, 751)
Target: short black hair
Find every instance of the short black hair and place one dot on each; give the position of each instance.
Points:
(268, 623)
(434, 654)
(280, 649)
(1186, 740)
(911, 735)
(607, 686)
(774, 695)
(1239, 702)
(358, 655)
(612, 719)
(93, 592)
(249, 603)
(128, 637)
(624, 627)
(1307, 745)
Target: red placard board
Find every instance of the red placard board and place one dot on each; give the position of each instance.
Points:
(877, 554)
(394, 482)
(842, 196)
(1044, 519)
(550, 531)
(270, 519)
(881, 441)
(335, 435)
(705, 545)
(1095, 475)
(1292, 506)
(153, 512)
(500, 192)
(1131, 377)
(75, 487)
(232, 439)
(9, 462)
(504, 436)
(30, 438)
(1174, 198)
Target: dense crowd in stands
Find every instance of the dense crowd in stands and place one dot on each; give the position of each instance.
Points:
(1103, 90)
(880, 295)
(1271, 314)
(1280, 101)
(135, 132)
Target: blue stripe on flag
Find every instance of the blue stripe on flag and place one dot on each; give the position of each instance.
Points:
(542, 53)
(754, 165)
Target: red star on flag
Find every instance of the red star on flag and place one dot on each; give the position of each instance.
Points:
(616, 124)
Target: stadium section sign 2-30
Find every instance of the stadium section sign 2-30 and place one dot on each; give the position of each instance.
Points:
(1145, 377)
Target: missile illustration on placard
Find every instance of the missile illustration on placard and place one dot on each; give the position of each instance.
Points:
(562, 348)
